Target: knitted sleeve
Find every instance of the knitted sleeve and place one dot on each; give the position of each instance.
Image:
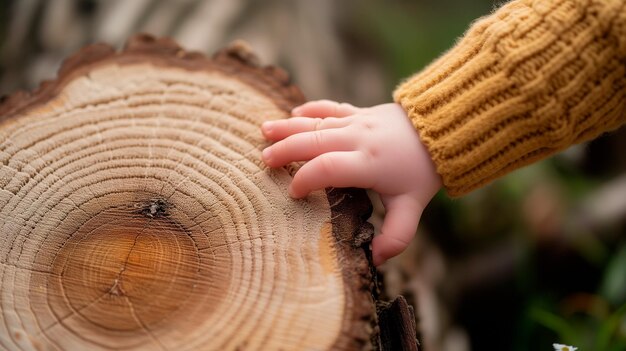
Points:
(529, 80)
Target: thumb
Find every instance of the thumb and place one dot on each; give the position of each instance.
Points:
(402, 216)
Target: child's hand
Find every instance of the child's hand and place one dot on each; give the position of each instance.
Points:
(375, 148)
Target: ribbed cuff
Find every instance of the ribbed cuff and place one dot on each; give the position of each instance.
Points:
(523, 83)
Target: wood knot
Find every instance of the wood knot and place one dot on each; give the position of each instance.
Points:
(155, 209)
(116, 288)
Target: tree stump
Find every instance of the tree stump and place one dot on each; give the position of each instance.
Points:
(135, 213)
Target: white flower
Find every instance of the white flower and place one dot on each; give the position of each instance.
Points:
(561, 347)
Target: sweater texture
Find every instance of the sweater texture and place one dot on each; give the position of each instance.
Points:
(529, 80)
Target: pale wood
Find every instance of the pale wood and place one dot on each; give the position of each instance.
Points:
(135, 213)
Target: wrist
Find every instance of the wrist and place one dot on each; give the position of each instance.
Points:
(430, 181)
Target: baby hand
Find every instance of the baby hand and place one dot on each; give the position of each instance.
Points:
(347, 146)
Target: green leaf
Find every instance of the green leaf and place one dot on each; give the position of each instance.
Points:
(608, 328)
(613, 286)
(567, 335)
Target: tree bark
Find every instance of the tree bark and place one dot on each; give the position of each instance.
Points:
(136, 213)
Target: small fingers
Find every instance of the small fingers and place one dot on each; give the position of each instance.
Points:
(305, 146)
(401, 219)
(334, 169)
(324, 108)
(280, 129)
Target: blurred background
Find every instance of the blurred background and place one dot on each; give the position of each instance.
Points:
(535, 258)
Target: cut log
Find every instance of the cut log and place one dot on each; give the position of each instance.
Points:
(135, 213)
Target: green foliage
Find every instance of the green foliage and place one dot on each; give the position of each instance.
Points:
(588, 332)
(613, 286)
(599, 326)
(410, 34)
(566, 333)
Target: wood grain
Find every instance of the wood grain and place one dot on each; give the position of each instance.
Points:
(135, 213)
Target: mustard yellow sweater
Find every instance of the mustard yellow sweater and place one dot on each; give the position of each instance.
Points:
(531, 79)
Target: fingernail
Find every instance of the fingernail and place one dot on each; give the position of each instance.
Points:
(290, 191)
(266, 155)
(267, 126)
(296, 111)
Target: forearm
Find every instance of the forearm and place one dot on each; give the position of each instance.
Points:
(529, 80)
